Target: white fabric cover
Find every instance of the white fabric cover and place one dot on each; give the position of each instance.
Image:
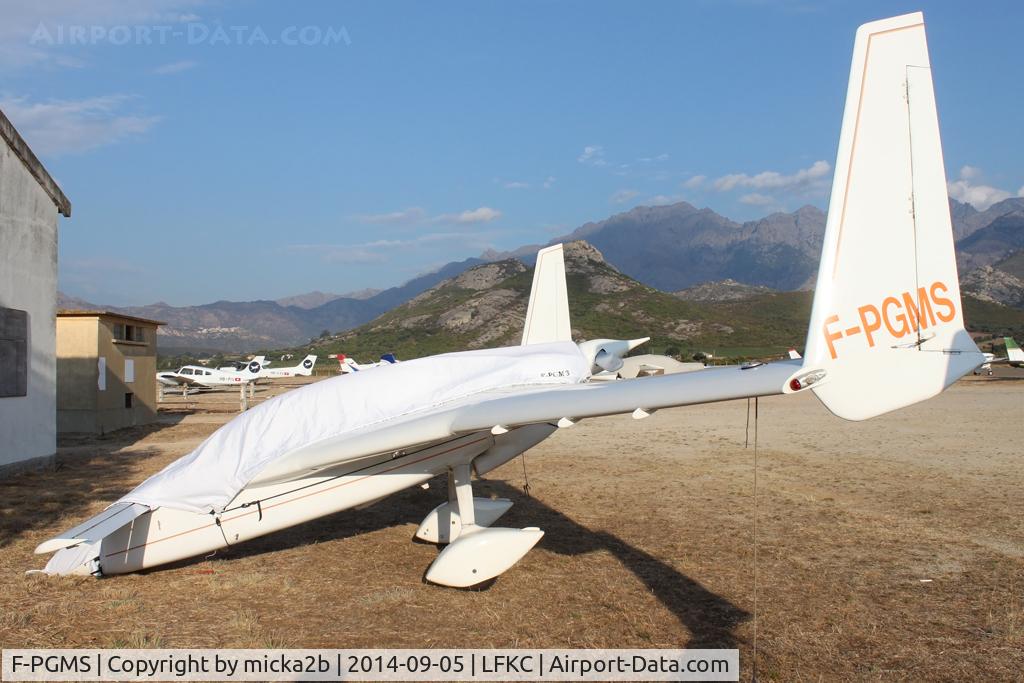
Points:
(209, 477)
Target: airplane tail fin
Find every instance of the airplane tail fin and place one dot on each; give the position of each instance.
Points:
(345, 364)
(1014, 354)
(305, 368)
(252, 370)
(547, 318)
(887, 324)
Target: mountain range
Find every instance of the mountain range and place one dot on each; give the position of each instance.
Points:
(244, 325)
(672, 248)
(485, 306)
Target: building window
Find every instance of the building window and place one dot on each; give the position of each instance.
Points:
(129, 400)
(13, 352)
(129, 370)
(125, 332)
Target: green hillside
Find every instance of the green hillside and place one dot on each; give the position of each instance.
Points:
(986, 317)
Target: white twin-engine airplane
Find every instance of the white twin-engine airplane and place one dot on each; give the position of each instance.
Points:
(200, 378)
(886, 331)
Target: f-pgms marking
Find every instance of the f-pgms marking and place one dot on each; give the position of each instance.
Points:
(900, 315)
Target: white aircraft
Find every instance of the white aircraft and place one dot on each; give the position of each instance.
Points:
(1014, 358)
(304, 369)
(886, 331)
(645, 365)
(986, 366)
(237, 365)
(1014, 354)
(200, 378)
(349, 365)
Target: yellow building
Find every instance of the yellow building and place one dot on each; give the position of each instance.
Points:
(106, 371)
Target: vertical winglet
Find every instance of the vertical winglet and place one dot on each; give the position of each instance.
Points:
(887, 324)
(547, 318)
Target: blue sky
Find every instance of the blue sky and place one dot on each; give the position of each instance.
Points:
(245, 150)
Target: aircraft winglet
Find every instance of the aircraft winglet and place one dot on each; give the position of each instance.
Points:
(547, 318)
(887, 325)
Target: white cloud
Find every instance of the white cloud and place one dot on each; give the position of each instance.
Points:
(35, 33)
(623, 196)
(377, 251)
(647, 160)
(813, 177)
(350, 255)
(969, 172)
(593, 155)
(664, 199)
(695, 182)
(72, 126)
(757, 199)
(545, 184)
(979, 196)
(175, 67)
(484, 214)
(413, 214)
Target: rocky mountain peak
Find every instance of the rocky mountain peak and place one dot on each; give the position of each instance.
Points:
(994, 285)
(580, 252)
(723, 290)
(488, 275)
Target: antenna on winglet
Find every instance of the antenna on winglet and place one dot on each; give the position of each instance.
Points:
(547, 318)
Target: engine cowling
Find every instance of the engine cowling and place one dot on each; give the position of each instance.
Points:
(607, 354)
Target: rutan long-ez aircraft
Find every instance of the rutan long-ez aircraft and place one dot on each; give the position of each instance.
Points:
(886, 331)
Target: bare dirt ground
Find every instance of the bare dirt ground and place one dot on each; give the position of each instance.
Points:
(890, 549)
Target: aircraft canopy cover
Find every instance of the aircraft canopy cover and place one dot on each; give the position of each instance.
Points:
(209, 477)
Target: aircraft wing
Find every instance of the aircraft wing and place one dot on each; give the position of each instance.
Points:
(507, 408)
(180, 381)
(95, 528)
(577, 401)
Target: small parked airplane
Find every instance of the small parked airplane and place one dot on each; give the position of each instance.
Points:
(1014, 354)
(1014, 358)
(200, 378)
(237, 365)
(349, 365)
(886, 331)
(304, 369)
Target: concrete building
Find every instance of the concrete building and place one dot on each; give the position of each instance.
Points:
(29, 204)
(106, 371)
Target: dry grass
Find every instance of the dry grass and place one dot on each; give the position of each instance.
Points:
(648, 544)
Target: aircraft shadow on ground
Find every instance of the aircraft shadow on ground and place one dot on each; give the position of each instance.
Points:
(90, 468)
(710, 618)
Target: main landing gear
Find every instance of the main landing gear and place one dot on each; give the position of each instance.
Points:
(476, 553)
